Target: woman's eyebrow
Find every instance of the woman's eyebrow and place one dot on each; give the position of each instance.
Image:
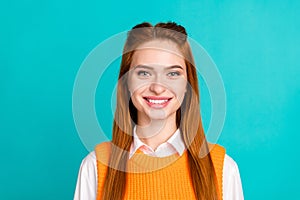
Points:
(143, 67)
(175, 66)
(151, 68)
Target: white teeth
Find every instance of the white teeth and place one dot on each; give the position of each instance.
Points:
(157, 101)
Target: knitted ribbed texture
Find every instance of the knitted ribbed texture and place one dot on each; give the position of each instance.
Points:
(217, 154)
(157, 178)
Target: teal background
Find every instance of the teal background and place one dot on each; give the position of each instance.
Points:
(255, 45)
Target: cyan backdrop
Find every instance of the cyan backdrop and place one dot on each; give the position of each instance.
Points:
(255, 45)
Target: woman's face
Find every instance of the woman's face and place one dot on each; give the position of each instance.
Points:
(157, 80)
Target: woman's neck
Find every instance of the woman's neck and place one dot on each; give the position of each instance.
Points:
(157, 131)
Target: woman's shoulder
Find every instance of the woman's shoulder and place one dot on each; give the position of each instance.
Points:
(219, 154)
(92, 156)
(103, 146)
(230, 165)
(102, 152)
(89, 159)
(99, 153)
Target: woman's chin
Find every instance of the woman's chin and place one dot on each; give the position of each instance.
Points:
(155, 115)
(158, 114)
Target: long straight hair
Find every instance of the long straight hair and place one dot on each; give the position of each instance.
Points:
(188, 118)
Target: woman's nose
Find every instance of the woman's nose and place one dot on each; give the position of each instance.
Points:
(157, 88)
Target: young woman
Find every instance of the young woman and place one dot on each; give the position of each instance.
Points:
(158, 149)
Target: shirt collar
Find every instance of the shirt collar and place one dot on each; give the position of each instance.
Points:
(175, 141)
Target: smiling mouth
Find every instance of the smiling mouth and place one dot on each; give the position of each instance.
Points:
(157, 101)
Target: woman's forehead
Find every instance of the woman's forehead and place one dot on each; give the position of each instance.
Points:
(160, 44)
(158, 52)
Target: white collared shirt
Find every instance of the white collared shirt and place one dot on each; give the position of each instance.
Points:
(173, 145)
(86, 186)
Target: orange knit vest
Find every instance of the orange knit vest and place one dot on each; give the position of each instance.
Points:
(157, 178)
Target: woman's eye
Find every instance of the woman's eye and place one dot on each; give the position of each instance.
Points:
(172, 74)
(143, 73)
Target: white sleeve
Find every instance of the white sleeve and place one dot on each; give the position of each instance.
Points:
(232, 185)
(86, 186)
